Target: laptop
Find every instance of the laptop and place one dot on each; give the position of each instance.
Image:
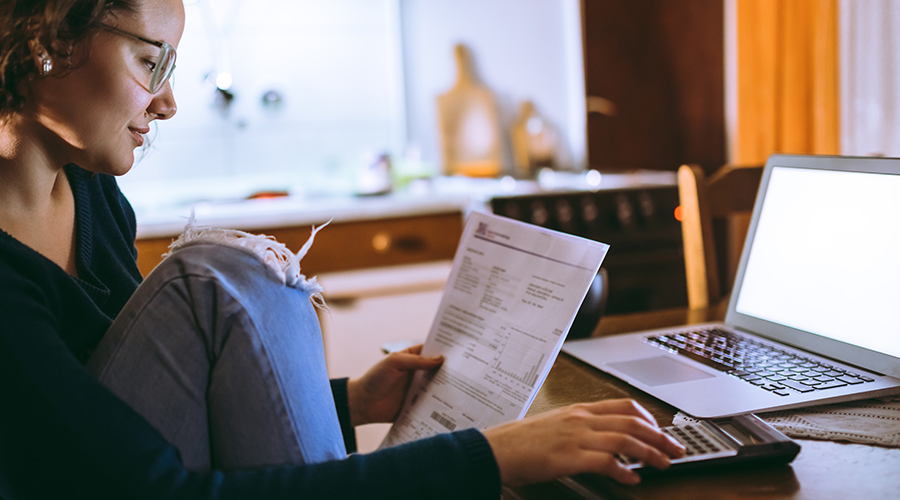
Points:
(814, 315)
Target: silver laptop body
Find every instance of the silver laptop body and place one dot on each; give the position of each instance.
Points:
(816, 301)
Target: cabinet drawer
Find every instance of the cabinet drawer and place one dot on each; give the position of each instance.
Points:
(353, 244)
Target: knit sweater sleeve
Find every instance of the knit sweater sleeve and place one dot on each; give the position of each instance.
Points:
(341, 403)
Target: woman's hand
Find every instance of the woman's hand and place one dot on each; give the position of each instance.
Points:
(580, 438)
(378, 395)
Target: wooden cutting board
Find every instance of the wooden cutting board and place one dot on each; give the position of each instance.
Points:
(468, 124)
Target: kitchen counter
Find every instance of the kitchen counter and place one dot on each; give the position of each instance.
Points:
(291, 211)
(421, 197)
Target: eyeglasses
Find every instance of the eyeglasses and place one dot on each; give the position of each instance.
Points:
(160, 69)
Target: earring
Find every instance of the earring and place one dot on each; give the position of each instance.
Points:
(41, 57)
(46, 64)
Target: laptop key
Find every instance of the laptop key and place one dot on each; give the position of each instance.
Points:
(831, 385)
(850, 380)
(797, 386)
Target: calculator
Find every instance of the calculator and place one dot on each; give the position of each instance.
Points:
(743, 439)
(722, 441)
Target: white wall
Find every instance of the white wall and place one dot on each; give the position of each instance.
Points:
(337, 65)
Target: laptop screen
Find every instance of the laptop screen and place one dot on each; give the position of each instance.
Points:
(825, 256)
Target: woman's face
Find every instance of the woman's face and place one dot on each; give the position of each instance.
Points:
(96, 115)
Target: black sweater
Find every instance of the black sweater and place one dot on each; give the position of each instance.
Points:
(63, 435)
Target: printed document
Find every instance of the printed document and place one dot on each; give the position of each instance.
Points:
(509, 301)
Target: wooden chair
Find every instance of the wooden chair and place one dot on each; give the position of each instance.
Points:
(715, 217)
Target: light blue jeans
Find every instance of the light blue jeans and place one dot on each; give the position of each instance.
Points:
(225, 362)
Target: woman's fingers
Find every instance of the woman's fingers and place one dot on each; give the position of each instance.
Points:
(627, 425)
(608, 465)
(621, 407)
(617, 443)
(581, 438)
(403, 360)
(414, 349)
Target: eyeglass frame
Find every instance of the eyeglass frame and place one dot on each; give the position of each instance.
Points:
(157, 79)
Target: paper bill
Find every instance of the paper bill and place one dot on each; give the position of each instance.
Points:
(509, 301)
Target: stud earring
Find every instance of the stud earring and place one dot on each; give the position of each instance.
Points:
(46, 64)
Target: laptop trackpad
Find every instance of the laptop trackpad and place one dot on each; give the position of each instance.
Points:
(660, 370)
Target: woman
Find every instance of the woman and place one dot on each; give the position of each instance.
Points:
(207, 380)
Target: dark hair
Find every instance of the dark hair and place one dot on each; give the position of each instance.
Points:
(58, 25)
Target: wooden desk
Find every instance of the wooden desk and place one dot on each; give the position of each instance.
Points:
(822, 470)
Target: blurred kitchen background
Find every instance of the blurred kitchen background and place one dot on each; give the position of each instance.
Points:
(570, 114)
(303, 95)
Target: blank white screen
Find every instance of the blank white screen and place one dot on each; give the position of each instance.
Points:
(826, 257)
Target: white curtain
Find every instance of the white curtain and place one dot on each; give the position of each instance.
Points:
(870, 77)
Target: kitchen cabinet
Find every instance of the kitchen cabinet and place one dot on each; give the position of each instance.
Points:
(351, 244)
(655, 79)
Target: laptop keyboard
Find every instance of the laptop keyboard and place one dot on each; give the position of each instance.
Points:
(767, 367)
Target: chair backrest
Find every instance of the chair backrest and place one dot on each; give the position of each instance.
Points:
(715, 214)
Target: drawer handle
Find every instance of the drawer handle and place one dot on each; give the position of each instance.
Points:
(383, 242)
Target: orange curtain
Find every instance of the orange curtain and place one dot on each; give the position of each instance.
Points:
(788, 96)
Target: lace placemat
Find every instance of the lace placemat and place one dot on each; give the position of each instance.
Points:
(871, 421)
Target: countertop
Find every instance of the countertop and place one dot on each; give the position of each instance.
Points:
(422, 197)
